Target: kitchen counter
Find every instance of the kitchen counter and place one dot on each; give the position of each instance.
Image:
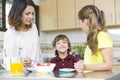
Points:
(114, 74)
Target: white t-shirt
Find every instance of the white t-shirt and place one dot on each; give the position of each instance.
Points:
(24, 44)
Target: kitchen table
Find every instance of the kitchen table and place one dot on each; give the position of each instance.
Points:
(114, 74)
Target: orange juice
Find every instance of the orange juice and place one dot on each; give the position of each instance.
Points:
(16, 67)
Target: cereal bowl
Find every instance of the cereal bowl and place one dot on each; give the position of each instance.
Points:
(45, 68)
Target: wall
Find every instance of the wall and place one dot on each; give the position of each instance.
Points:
(76, 37)
(1, 36)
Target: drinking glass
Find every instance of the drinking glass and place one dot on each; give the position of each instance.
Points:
(16, 65)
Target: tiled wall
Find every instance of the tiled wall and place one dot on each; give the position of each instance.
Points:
(49, 52)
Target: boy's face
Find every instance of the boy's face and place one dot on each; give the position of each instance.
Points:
(62, 46)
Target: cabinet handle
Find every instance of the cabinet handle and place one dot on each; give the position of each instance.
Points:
(111, 18)
(119, 17)
(55, 22)
(60, 22)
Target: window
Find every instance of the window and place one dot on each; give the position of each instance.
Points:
(2, 15)
(8, 7)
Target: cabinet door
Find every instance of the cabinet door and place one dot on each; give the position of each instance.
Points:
(66, 14)
(78, 5)
(48, 15)
(117, 5)
(108, 7)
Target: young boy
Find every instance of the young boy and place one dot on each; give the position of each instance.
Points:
(62, 47)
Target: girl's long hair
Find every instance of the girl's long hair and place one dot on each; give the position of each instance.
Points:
(96, 24)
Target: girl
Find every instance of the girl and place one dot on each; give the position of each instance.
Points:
(98, 54)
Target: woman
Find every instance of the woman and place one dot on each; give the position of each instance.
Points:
(21, 38)
(98, 54)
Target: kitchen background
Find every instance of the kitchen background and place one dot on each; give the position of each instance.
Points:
(76, 36)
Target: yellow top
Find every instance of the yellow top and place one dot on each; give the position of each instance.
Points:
(104, 41)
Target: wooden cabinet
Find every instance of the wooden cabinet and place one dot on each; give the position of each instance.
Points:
(57, 15)
(117, 9)
(108, 7)
(78, 5)
(48, 15)
(66, 14)
(63, 14)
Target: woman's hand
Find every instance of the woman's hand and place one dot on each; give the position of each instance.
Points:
(79, 66)
(27, 62)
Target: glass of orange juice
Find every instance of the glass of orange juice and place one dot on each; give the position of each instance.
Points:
(16, 65)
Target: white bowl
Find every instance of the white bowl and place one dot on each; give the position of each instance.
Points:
(44, 68)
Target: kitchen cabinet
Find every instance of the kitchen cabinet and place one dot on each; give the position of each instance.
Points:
(66, 14)
(57, 15)
(63, 14)
(108, 7)
(78, 5)
(117, 5)
(48, 15)
(111, 10)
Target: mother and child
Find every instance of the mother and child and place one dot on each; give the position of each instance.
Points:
(22, 39)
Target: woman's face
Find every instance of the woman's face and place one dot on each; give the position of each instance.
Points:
(28, 15)
(84, 25)
(62, 46)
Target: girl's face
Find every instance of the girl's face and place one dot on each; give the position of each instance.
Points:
(84, 25)
(28, 15)
(62, 46)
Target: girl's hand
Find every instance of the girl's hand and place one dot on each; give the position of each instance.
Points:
(27, 62)
(79, 66)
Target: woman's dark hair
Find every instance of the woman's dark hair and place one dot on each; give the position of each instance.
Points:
(96, 24)
(15, 14)
(61, 37)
